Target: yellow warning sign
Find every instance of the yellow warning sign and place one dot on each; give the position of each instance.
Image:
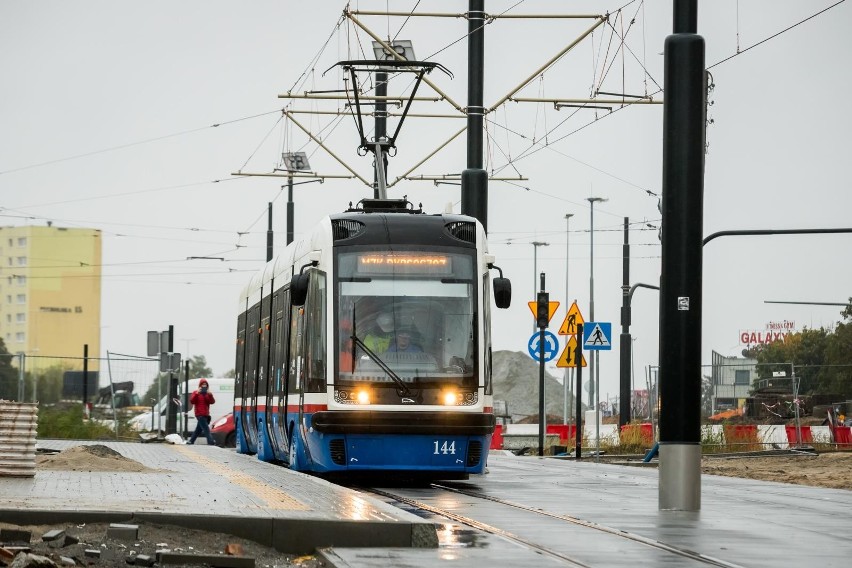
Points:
(552, 307)
(572, 319)
(569, 354)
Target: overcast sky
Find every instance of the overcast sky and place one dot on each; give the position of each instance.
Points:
(106, 121)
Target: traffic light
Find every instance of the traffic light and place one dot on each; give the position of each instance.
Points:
(543, 309)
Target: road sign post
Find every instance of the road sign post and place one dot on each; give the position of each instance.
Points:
(543, 316)
(578, 422)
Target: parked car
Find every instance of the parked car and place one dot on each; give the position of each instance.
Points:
(224, 431)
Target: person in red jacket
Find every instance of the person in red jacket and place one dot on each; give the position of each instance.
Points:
(201, 400)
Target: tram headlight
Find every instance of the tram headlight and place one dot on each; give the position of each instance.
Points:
(362, 396)
(450, 398)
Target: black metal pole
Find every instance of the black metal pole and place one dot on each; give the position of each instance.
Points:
(85, 380)
(542, 411)
(474, 180)
(578, 421)
(171, 413)
(290, 215)
(680, 281)
(269, 235)
(381, 130)
(685, 19)
(626, 342)
(186, 399)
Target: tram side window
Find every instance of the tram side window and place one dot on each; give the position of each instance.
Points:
(316, 332)
(294, 363)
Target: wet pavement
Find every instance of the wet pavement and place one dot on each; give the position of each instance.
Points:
(568, 513)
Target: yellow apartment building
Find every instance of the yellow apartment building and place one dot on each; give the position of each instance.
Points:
(50, 291)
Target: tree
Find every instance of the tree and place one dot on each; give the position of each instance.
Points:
(198, 367)
(823, 359)
(8, 374)
(230, 374)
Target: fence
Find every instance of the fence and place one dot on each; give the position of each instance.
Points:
(51, 380)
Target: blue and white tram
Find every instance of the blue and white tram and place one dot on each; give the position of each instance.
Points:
(322, 381)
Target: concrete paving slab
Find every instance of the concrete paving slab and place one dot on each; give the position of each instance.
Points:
(201, 485)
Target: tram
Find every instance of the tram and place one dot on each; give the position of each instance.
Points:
(327, 381)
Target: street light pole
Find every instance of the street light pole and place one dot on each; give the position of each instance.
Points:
(535, 245)
(566, 383)
(594, 373)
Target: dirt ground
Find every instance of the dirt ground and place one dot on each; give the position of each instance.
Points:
(830, 469)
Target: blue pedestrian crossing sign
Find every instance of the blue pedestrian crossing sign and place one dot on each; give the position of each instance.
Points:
(551, 346)
(597, 336)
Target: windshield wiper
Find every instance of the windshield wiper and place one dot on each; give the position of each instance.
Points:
(403, 388)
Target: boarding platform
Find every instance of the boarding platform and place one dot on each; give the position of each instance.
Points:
(200, 485)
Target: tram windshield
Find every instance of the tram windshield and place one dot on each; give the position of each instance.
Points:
(406, 318)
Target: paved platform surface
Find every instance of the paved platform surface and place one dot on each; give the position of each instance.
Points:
(198, 485)
(742, 523)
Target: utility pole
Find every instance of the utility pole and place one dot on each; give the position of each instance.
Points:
(684, 114)
(625, 343)
(474, 180)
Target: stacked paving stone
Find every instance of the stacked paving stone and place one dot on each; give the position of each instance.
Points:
(18, 427)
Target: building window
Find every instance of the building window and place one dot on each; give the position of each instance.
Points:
(8, 318)
(10, 242)
(19, 337)
(21, 318)
(22, 261)
(22, 280)
(22, 298)
(8, 299)
(742, 378)
(22, 241)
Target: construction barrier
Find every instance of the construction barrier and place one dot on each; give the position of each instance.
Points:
(807, 436)
(743, 436)
(842, 435)
(567, 433)
(497, 438)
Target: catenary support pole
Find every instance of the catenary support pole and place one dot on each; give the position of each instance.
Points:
(474, 179)
(680, 282)
(290, 212)
(269, 235)
(171, 413)
(625, 342)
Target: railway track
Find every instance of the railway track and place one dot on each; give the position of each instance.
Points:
(608, 538)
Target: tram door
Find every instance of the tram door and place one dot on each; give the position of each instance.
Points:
(239, 371)
(263, 399)
(295, 371)
(252, 364)
(277, 415)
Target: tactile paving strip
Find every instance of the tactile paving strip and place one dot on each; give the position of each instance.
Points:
(275, 498)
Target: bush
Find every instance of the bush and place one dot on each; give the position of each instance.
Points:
(67, 423)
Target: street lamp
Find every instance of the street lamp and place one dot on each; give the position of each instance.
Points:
(535, 245)
(566, 408)
(594, 373)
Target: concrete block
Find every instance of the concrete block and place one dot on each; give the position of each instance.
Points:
(213, 560)
(144, 560)
(67, 561)
(63, 541)
(52, 535)
(118, 531)
(92, 553)
(14, 535)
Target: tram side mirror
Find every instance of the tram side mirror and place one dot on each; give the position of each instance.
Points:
(299, 288)
(502, 292)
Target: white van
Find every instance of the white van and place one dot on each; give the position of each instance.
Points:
(221, 389)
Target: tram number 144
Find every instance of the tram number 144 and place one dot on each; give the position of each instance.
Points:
(446, 448)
